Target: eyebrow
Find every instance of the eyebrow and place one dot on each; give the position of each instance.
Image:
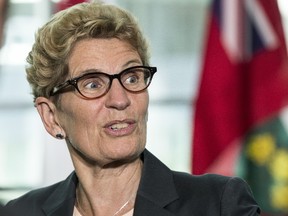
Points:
(93, 70)
(132, 62)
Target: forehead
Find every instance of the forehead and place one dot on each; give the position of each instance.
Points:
(101, 54)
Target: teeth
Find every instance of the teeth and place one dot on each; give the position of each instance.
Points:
(119, 126)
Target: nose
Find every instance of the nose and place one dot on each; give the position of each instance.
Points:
(117, 96)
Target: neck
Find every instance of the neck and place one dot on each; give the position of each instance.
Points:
(108, 191)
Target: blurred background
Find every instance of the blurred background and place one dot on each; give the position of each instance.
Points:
(30, 158)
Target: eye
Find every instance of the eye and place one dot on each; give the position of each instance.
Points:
(92, 83)
(132, 78)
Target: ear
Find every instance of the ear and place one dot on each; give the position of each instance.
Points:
(47, 111)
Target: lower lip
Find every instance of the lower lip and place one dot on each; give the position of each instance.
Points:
(121, 132)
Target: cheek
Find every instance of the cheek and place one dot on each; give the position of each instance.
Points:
(142, 105)
(143, 114)
(75, 118)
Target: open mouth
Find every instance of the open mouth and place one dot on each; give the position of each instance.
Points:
(119, 126)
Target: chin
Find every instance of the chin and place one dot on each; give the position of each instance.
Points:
(128, 153)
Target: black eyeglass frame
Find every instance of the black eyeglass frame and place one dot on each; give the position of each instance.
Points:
(73, 82)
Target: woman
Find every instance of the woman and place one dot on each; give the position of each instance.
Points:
(89, 71)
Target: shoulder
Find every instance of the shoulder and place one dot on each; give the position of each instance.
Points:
(206, 180)
(33, 201)
(200, 185)
(36, 195)
(230, 195)
(212, 184)
(186, 183)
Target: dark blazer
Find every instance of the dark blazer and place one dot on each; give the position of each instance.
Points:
(4, 212)
(161, 192)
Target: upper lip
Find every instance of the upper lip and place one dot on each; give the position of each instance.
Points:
(127, 121)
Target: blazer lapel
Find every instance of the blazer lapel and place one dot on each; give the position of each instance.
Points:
(156, 189)
(61, 201)
(145, 207)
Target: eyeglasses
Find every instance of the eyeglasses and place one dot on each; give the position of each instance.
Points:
(96, 84)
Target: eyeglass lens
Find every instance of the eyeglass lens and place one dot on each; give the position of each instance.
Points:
(96, 84)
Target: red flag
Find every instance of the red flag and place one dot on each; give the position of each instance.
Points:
(244, 79)
(63, 4)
